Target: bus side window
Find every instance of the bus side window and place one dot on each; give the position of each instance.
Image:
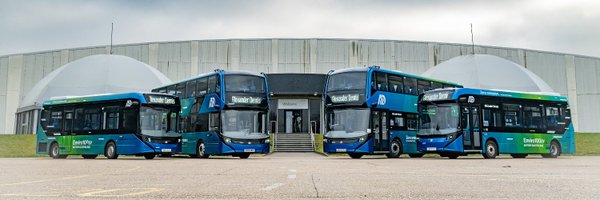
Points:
(532, 117)
(411, 122)
(552, 118)
(423, 86)
(396, 84)
(68, 120)
(382, 84)
(181, 90)
(512, 115)
(130, 120)
(218, 85)
(201, 123)
(79, 120)
(190, 89)
(111, 118)
(213, 119)
(212, 83)
(92, 119)
(172, 90)
(410, 86)
(202, 87)
(56, 120)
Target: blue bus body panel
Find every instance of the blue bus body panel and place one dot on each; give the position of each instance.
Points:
(355, 147)
(214, 145)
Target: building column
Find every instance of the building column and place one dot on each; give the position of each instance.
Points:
(353, 53)
(313, 56)
(234, 55)
(572, 89)
(13, 92)
(274, 56)
(432, 55)
(194, 59)
(153, 55)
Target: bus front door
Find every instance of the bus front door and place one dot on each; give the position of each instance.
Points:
(472, 137)
(380, 132)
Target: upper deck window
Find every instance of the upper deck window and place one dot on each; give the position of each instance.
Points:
(347, 81)
(244, 83)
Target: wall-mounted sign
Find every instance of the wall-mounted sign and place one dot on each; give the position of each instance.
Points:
(246, 100)
(292, 104)
(161, 99)
(345, 98)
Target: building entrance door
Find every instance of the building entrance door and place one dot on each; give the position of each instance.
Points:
(293, 121)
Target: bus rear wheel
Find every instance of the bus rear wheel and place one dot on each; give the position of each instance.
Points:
(395, 149)
(89, 156)
(453, 156)
(244, 155)
(355, 155)
(110, 151)
(55, 152)
(554, 150)
(491, 150)
(519, 155)
(416, 155)
(201, 150)
(149, 156)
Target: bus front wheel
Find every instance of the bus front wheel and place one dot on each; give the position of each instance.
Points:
(395, 149)
(149, 156)
(55, 151)
(244, 155)
(491, 150)
(110, 151)
(201, 150)
(554, 150)
(355, 155)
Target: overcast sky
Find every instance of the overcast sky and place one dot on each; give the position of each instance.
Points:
(571, 26)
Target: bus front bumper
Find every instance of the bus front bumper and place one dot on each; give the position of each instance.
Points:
(232, 148)
(440, 144)
(166, 148)
(354, 147)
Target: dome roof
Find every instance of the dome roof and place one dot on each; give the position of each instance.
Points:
(94, 75)
(488, 72)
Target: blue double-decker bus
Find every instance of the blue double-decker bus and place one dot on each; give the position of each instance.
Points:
(457, 122)
(370, 110)
(223, 113)
(143, 124)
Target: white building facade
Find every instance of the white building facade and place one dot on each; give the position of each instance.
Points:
(577, 77)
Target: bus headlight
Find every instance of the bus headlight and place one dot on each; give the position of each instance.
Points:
(227, 140)
(267, 141)
(325, 140)
(362, 139)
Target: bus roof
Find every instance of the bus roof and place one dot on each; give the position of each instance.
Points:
(375, 68)
(457, 92)
(100, 97)
(217, 71)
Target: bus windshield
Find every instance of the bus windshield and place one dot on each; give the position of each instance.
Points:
(347, 81)
(158, 121)
(244, 124)
(347, 123)
(244, 83)
(439, 119)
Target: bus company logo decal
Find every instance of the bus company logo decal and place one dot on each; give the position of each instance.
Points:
(533, 142)
(246, 100)
(471, 99)
(211, 102)
(381, 100)
(82, 144)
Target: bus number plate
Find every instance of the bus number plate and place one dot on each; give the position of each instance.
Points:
(340, 150)
(249, 150)
(165, 150)
(431, 149)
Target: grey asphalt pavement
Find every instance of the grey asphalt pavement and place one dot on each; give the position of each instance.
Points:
(301, 175)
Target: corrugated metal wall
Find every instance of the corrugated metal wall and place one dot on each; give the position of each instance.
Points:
(184, 59)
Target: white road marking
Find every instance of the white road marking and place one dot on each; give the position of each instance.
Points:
(271, 187)
(128, 192)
